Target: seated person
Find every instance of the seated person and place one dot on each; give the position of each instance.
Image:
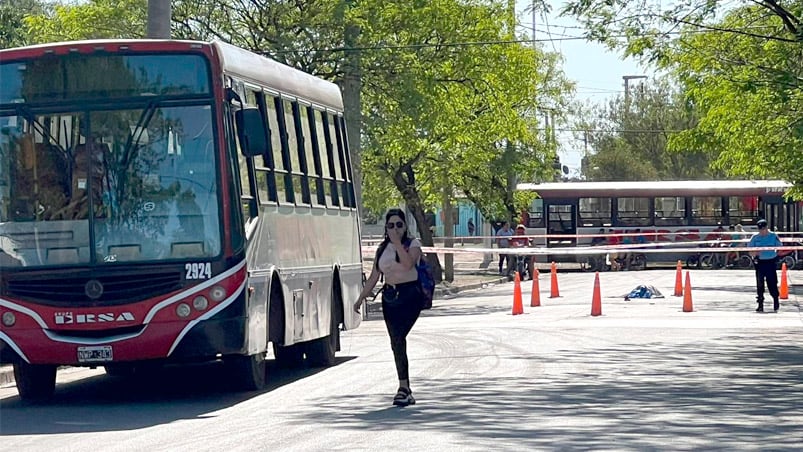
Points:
(88, 161)
(599, 239)
(613, 255)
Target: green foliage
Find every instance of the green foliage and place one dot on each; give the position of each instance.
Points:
(13, 32)
(437, 109)
(631, 137)
(751, 91)
(93, 19)
(439, 114)
(740, 64)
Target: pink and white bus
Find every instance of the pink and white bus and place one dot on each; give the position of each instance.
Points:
(170, 202)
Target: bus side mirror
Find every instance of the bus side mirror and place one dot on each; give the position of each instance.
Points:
(251, 131)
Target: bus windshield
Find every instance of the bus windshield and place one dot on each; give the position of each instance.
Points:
(108, 186)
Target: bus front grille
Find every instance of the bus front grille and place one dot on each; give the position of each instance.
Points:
(71, 291)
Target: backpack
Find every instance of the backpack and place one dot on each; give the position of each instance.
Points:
(426, 280)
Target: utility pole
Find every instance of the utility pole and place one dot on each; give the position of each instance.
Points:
(627, 79)
(159, 12)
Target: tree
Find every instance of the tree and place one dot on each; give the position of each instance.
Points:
(467, 110)
(13, 32)
(449, 100)
(631, 136)
(740, 66)
(93, 19)
(751, 91)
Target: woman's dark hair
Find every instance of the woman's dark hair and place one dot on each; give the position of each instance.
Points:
(406, 239)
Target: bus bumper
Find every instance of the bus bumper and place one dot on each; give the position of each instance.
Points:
(195, 339)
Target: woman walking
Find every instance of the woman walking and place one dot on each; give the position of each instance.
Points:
(402, 300)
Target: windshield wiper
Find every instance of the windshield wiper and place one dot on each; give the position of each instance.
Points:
(143, 121)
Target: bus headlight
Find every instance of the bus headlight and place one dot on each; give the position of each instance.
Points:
(217, 293)
(200, 303)
(9, 319)
(183, 310)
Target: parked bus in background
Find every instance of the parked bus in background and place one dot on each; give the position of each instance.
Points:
(169, 202)
(661, 211)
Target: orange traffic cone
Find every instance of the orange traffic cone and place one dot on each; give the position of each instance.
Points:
(783, 292)
(518, 307)
(596, 301)
(535, 297)
(679, 280)
(554, 292)
(687, 305)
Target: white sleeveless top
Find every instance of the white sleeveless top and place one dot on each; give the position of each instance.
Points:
(394, 272)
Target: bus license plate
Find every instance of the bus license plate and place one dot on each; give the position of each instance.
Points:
(95, 354)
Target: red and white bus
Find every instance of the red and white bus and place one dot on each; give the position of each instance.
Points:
(169, 202)
(573, 213)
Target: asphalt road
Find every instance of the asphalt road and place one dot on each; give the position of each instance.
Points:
(643, 376)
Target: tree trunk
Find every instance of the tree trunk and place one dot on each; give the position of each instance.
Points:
(352, 103)
(404, 179)
(159, 12)
(448, 232)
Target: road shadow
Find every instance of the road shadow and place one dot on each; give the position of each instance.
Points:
(445, 310)
(106, 403)
(723, 394)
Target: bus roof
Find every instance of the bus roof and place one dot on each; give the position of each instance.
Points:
(658, 188)
(282, 78)
(248, 65)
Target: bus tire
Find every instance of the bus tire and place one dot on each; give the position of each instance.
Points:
(639, 262)
(35, 382)
(290, 356)
(744, 262)
(321, 352)
(250, 372)
(789, 261)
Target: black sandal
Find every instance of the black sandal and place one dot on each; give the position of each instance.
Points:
(403, 397)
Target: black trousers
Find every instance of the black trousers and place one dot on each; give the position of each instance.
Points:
(401, 306)
(502, 259)
(765, 270)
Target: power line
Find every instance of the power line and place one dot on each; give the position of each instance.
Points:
(494, 42)
(616, 130)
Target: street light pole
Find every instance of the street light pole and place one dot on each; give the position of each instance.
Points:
(627, 79)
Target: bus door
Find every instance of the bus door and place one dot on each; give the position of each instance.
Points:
(561, 221)
(779, 215)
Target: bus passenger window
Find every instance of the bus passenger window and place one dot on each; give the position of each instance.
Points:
(335, 159)
(706, 210)
(280, 163)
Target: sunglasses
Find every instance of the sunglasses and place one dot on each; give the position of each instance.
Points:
(398, 224)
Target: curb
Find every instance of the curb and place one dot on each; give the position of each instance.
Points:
(440, 292)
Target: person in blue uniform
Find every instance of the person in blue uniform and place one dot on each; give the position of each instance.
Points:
(765, 262)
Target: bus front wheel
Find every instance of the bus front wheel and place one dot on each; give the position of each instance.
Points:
(35, 382)
(250, 371)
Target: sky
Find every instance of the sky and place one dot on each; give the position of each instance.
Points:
(596, 71)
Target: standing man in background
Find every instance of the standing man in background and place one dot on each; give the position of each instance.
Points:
(503, 241)
(765, 262)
